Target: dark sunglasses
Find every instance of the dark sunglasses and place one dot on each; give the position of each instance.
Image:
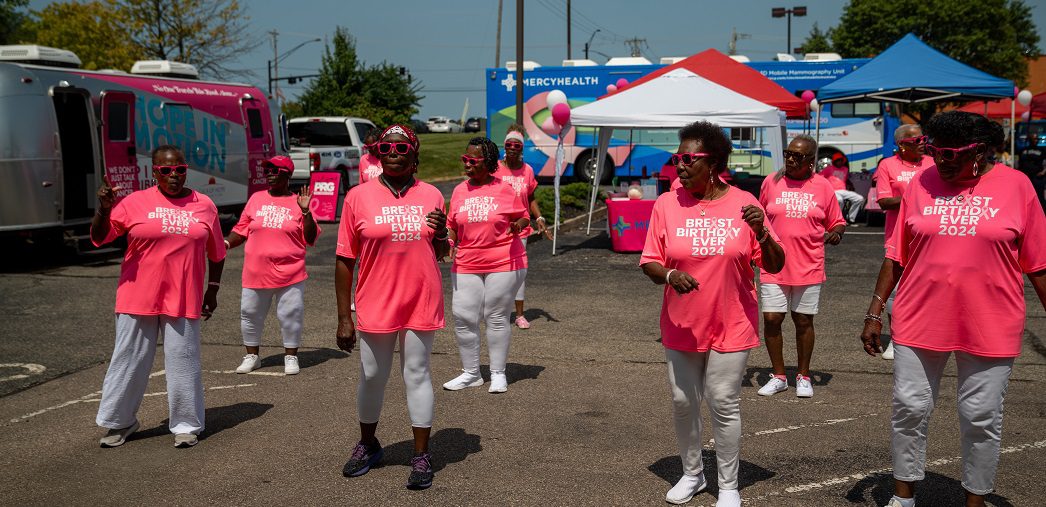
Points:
(949, 154)
(471, 160)
(514, 145)
(795, 155)
(385, 148)
(687, 158)
(273, 170)
(914, 141)
(166, 170)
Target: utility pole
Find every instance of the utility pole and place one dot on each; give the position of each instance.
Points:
(780, 12)
(734, 36)
(519, 62)
(275, 63)
(636, 44)
(497, 44)
(568, 30)
(589, 43)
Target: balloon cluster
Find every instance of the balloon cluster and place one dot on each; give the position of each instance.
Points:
(556, 102)
(1023, 98)
(621, 83)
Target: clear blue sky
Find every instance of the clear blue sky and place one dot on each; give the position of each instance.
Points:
(447, 44)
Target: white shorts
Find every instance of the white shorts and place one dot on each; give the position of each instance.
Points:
(782, 298)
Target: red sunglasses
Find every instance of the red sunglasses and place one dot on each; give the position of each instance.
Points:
(687, 158)
(273, 170)
(166, 170)
(385, 148)
(471, 160)
(914, 141)
(949, 154)
(514, 145)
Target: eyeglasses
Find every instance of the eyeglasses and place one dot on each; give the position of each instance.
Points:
(914, 141)
(385, 148)
(795, 155)
(273, 170)
(471, 160)
(515, 145)
(949, 154)
(687, 158)
(166, 170)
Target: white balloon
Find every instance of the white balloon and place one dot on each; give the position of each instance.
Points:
(813, 104)
(555, 97)
(1024, 97)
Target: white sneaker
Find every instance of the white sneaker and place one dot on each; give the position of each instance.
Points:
(774, 386)
(290, 365)
(896, 501)
(464, 380)
(803, 387)
(498, 382)
(250, 363)
(686, 488)
(728, 498)
(888, 353)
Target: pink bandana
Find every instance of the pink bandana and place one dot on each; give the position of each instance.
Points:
(404, 131)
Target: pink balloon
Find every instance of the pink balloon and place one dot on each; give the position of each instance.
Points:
(561, 113)
(549, 127)
(1016, 90)
(1025, 116)
(621, 83)
(807, 96)
(611, 88)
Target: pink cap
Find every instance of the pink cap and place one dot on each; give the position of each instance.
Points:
(281, 162)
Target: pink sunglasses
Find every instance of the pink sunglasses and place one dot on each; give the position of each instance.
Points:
(687, 158)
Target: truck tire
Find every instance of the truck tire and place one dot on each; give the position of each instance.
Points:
(345, 183)
(585, 168)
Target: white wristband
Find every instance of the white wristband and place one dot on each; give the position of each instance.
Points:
(668, 275)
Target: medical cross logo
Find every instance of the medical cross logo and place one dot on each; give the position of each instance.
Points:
(621, 226)
(509, 82)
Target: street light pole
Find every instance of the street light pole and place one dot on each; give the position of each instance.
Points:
(274, 76)
(780, 12)
(589, 43)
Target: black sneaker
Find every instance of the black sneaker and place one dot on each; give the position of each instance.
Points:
(362, 459)
(420, 472)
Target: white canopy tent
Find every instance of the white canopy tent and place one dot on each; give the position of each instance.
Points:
(673, 101)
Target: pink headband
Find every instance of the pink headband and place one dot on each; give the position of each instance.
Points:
(404, 131)
(514, 135)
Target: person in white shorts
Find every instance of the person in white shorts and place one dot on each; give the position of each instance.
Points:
(802, 209)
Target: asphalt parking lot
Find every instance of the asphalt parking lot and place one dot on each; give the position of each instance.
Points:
(586, 420)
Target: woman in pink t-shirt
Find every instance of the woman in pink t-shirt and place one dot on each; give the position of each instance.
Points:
(279, 224)
(173, 240)
(966, 232)
(520, 176)
(395, 228)
(485, 220)
(702, 242)
(370, 163)
(802, 208)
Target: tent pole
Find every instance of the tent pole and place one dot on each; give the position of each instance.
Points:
(817, 128)
(1013, 128)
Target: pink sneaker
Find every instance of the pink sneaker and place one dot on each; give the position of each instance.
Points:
(521, 322)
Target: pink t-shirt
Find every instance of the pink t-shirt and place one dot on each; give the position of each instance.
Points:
(800, 211)
(521, 180)
(964, 249)
(480, 218)
(168, 242)
(274, 255)
(834, 181)
(370, 168)
(718, 250)
(891, 180)
(399, 285)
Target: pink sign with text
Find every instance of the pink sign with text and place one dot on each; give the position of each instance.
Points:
(324, 187)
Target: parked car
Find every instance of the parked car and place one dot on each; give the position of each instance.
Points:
(419, 126)
(474, 125)
(442, 124)
(327, 143)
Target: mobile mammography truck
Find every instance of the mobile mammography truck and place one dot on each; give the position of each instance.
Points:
(64, 129)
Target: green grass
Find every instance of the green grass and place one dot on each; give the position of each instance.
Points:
(441, 155)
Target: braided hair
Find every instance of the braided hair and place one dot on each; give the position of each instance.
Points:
(490, 152)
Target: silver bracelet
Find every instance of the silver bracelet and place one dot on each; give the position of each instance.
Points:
(668, 275)
(877, 318)
(881, 301)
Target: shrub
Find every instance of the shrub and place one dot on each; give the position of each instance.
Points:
(572, 195)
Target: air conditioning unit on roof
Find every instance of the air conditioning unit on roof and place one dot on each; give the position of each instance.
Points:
(39, 55)
(527, 65)
(628, 60)
(165, 68)
(579, 63)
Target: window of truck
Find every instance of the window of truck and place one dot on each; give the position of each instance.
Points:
(319, 133)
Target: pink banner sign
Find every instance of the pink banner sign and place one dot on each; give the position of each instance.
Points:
(124, 177)
(324, 187)
(629, 221)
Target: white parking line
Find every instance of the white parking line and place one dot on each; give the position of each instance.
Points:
(30, 370)
(265, 373)
(829, 422)
(93, 398)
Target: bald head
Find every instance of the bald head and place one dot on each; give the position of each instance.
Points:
(907, 130)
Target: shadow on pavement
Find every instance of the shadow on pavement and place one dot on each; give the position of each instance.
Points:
(535, 314)
(216, 420)
(515, 372)
(670, 469)
(935, 489)
(756, 377)
(448, 446)
(307, 358)
(600, 241)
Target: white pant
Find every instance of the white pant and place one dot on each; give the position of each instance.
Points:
(128, 374)
(855, 200)
(523, 285)
(376, 351)
(982, 387)
(486, 296)
(776, 298)
(714, 378)
(290, 311)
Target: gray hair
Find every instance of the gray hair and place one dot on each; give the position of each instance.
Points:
(903, 131)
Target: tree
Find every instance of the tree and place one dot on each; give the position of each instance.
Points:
(818, 41)
(87, 29)
(383, 93)
(11, 19)
(209, 34)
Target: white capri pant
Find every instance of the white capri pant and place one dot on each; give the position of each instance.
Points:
(982, 388)
(802, 299)
(487, 297)
(376, 351)
(132, 361)
(714, 378)
(855, 200)
(523, 285)
(290, 312)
